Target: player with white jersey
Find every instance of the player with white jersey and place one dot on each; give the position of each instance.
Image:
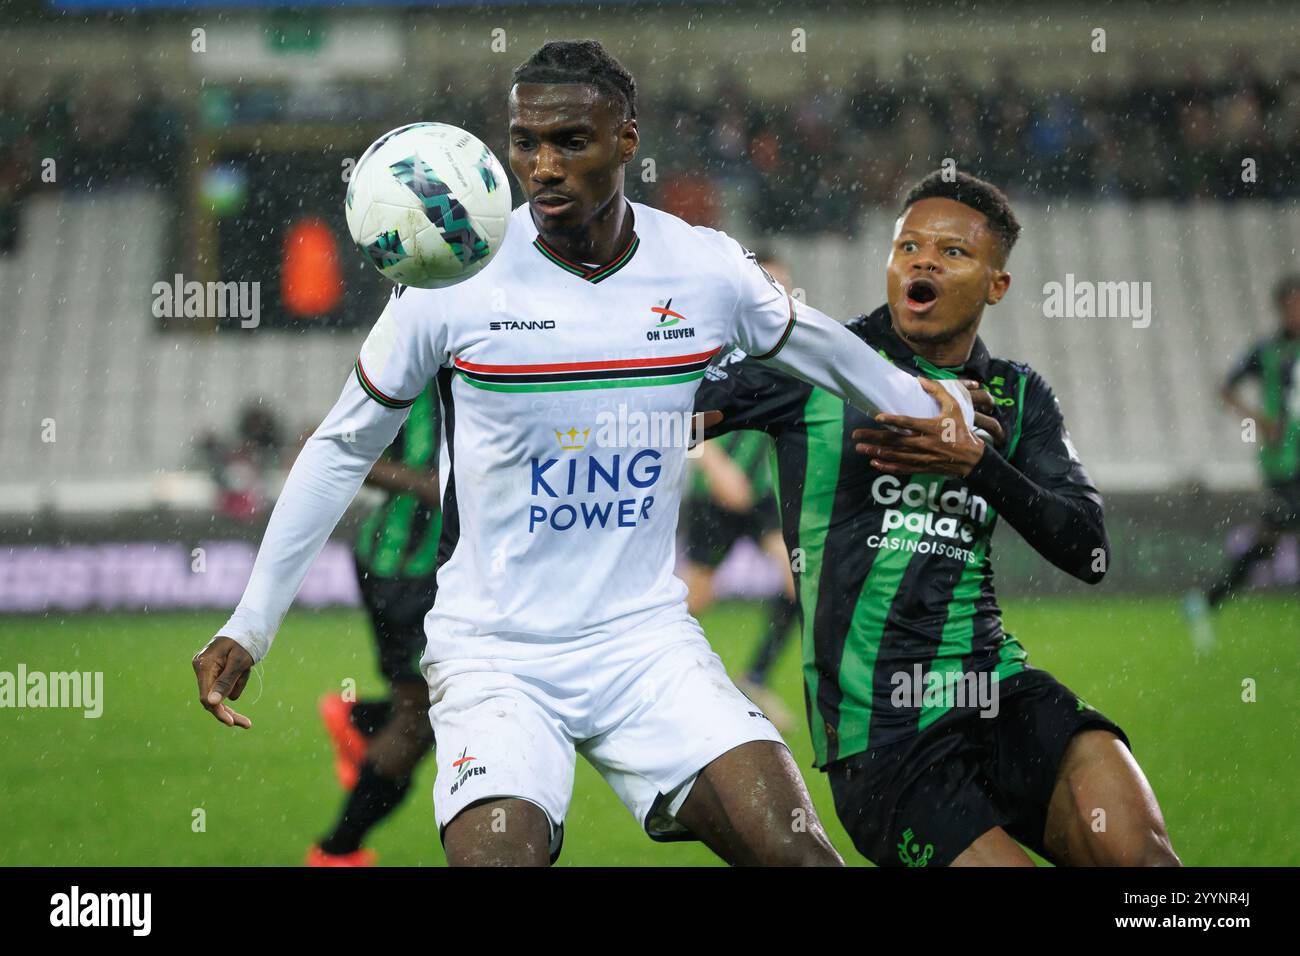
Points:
(566, 372)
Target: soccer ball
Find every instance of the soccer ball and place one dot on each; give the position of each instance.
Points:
(428, 204)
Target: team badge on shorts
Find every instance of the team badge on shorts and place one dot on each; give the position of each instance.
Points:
(913, 854)
(465, 767)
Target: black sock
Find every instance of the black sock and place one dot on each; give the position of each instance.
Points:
(373, 798)
(1240, 569)
(781, 613)
(369, 715)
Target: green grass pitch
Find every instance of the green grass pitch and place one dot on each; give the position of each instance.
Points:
(122, 789)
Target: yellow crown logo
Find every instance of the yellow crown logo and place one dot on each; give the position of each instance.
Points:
(569, 440)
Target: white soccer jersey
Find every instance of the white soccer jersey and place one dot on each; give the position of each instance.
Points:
(564, 391)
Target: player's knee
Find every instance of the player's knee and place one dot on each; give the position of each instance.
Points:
(1157, 851)
(1147, 845)
(812, 848)
(811, 855)
(498, 854)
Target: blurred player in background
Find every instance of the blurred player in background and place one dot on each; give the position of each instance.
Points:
(379, 743)
(241, 466)
(897, 586)
(1274, 364)
(731, 497)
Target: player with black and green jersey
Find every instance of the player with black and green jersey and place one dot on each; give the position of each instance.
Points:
(1275, 364)
(398, 540)
(731, 497)
(718, 512)
(942, 743)
(379, 743)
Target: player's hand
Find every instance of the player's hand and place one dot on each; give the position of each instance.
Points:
(222, 669)
(702, 422)
(984, 409)
(942, 445)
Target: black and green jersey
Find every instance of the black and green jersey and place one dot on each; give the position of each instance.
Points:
(894, 574)
(399, 538)
(1275, 363)
(751, 451)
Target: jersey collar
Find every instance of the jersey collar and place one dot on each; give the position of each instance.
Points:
(600, 273)
(880, 327)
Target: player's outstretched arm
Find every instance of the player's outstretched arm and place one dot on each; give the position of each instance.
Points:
(773, 327)
(824, 353)
(322, 483)
(1043, 491)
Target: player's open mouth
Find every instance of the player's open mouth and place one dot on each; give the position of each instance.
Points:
(551, 204)
(921, 295)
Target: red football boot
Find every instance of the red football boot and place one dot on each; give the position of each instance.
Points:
(363, 857)
(349, 743)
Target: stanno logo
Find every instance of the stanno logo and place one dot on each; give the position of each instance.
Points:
(103, 909)
(517, 325)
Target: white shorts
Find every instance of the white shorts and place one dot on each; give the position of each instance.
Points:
(648, 708)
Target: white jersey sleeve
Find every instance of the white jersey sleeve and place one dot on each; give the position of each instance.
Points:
(823, 352)
(772, 326)
(398, 358)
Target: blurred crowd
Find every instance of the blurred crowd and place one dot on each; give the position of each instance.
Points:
(813, 162)
(807, 162)
(83, 135)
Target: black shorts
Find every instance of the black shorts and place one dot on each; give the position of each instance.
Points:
(1283, 509)
(397, 607)
(711, 531)
(924, 800)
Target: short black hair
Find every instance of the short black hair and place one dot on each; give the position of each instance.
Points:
(580, 61)
(981, 196)
(1286, 286)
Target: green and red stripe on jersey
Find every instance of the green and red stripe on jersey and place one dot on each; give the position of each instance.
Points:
(386, 400)
(598, 274)
(567, 376)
